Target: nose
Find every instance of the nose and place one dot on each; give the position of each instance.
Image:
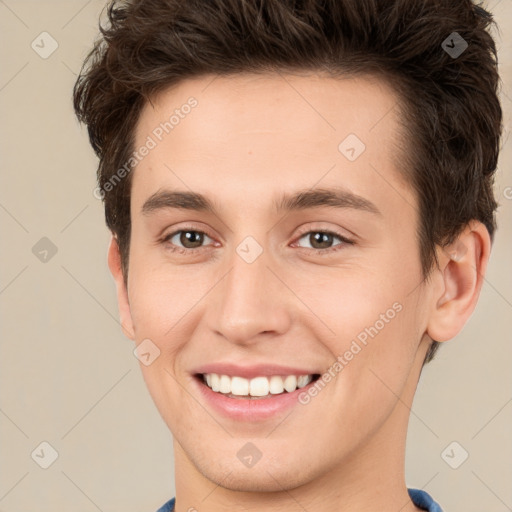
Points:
(250, 301)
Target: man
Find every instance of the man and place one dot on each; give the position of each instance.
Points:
(300, 198)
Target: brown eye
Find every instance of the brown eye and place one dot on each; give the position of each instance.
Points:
(187, 238)
(321, 239)
(194, 238)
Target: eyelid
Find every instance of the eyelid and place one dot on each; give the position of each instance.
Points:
(319, 229)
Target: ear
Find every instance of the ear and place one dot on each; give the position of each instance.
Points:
(114, 264)
(462, 267)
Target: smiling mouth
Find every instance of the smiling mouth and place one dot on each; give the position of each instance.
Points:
(257, 388)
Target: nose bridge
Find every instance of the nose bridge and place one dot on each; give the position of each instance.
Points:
(248, 301)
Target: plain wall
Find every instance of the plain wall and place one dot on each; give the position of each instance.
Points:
(69, 376)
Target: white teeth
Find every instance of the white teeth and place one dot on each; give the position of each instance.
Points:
(215, 381)
(276, 385)
(258, 386)
(237, 386)
(302, 381)
(290, 383)
(225, 384)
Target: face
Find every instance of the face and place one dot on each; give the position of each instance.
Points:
(300, 257)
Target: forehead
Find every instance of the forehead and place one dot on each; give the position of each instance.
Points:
(298, 106)
(255, 131)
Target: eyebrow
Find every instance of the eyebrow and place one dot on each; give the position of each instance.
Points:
(299, 200)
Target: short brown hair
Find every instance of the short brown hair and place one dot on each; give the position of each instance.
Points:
(451, 110)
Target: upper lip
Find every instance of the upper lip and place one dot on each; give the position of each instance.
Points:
(256, 370)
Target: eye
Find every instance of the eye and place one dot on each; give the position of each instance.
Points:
(189, 239)
(322, 241)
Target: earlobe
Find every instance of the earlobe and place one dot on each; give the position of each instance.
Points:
(114, 264)
(462, 267)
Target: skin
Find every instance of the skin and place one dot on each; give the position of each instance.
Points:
(258, 136)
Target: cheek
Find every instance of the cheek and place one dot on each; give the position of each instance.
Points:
(373, 369)
(373, 334)
(162, 296)
(388, 347)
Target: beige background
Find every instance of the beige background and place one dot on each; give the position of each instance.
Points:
(69, 377)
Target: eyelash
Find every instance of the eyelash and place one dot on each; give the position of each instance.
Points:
(322, 252)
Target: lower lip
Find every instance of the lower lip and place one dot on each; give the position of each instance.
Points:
(251, 410)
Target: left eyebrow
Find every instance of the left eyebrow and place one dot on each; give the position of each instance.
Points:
(322, 197)
(299, 200)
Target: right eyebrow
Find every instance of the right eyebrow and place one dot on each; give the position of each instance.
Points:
(182, 200)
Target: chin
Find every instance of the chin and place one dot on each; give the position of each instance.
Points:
(265, 476)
